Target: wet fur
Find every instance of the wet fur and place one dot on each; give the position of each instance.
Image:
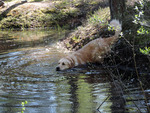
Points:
(94, 51)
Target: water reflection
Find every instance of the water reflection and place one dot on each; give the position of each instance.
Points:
(27, 73)
(29, 38)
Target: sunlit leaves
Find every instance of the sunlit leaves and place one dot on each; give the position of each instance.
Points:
(138, 20)
(140, 11)
(23, 106)
(145, 51)
(142, 30)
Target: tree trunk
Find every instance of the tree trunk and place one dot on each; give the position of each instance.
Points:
(117, 9)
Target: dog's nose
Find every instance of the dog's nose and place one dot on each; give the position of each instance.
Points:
(57, 68)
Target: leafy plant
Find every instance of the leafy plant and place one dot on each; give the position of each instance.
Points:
(76, 39)
(142, 31)
(23, 106)
(138, 19)
(145, 51)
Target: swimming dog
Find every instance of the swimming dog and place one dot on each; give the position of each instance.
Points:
(94, 51)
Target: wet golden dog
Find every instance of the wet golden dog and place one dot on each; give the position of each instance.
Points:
(92, 52)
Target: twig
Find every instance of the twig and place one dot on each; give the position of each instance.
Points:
(135, 65)
(103, 102)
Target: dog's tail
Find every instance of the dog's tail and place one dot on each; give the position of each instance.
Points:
(116, 26)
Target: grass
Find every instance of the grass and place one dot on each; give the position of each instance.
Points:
(99, 17)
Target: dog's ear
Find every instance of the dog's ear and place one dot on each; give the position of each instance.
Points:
(72, 62)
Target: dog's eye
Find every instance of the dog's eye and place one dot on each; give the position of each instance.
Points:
(63, 63)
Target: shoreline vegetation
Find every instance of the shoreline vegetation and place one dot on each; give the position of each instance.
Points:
(31, 14)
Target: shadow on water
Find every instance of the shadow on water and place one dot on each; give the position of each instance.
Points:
(27, 73)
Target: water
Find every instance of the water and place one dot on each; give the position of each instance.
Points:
(27, 74)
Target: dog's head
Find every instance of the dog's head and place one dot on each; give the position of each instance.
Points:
(63, 64)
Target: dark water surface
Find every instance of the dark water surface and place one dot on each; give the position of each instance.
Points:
(27, 75)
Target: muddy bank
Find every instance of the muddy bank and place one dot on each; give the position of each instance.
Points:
(47, 14)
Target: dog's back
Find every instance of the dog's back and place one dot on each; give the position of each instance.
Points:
(98, 48)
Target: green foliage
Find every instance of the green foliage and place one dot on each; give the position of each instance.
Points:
(23, 106)
(75, 39)
(95, 19)
(142, 31)
(100, 17)
(145, 51)
(110, 28)
(139, 8)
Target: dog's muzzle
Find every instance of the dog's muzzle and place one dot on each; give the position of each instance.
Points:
(57, 68)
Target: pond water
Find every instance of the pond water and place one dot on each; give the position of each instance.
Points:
(30, 84)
